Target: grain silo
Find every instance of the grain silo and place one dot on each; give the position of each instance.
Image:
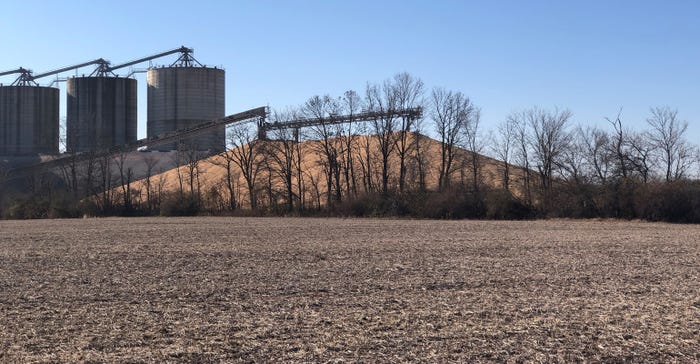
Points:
(28, 120)
(180, 97)
(101, 112)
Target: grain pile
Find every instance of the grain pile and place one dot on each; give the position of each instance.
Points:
(211, 172)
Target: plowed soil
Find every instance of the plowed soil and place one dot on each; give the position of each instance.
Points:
(357, 290)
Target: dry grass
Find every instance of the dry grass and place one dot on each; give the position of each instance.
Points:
(320, 290)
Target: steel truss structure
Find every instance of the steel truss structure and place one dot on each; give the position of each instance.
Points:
(257, 115)
(104, 68)
(410, 113)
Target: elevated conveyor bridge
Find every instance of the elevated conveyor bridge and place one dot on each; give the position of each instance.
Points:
(256, 115)
(366, 116)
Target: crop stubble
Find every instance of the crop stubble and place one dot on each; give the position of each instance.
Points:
(320, 290)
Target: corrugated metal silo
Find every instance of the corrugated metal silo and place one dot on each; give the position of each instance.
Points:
(181, 97)
(101, 112)
(28, 120)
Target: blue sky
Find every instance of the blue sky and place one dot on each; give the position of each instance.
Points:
(593, 57)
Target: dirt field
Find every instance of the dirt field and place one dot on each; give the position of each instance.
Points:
(332, 290)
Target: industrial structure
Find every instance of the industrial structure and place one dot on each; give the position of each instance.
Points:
(101, 113)
(257, 115)
(185, 107)
(28, 120)
(297, 124)
(101, 108)
(196, 132)
(182, 96)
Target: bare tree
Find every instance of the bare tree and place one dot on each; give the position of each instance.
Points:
(69, 174)
(125, 178)
(382, 99)
(150, 162)
(550, 138)
(503, 145)
(104, 163)
(299, 168)
(213, 200)
(668, 136)
(326, 142)
(271, 191)
(230, 180)
(194, 173)
(160, 187)
(573, 162)
(522, 141)
(619, 145)
(246, 153)
(473, 143)
(364, 157)
(79, 173)
(315, 190)
(408, 93)
(450, 112)
(624, 162)
(281, 153)
(279, 157)
(352, 104)
(420, 156)
(582, 197)
(597, 152)
(641, 156)
(69, 169)
(178, 161)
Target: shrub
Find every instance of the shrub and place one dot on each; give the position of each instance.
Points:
(501, 204)
(454, 204)
(672, 202)
(27, 208)
(176, 205)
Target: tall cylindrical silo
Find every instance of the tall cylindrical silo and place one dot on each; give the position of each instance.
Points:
(101, 113)
(28, 120)
(182, 97)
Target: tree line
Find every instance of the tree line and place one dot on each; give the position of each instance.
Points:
(535, 163)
